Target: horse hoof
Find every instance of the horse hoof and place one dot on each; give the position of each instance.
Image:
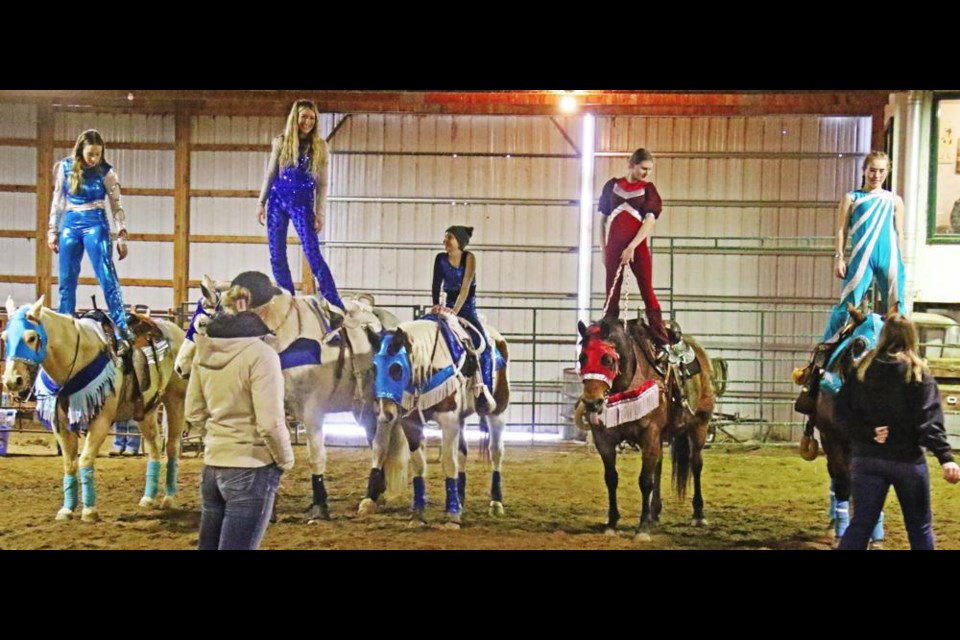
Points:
(875, 545)
(367, 507)
(90, 514)
(451, 525)
(169, 502)
(698, 522)
(417, 522)
(642, 536)
(496, 509)
(610, 531)
(64, 514)
(318, 513)
(147, 503)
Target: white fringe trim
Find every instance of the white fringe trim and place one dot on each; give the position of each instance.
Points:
(633, 409)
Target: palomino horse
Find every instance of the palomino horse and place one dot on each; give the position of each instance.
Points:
(324, 371)
(857, 338)
(84, 390)
(417, 380)
(621, 362)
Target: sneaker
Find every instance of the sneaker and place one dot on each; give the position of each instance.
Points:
(115, 453)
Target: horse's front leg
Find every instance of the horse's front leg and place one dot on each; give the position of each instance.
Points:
(150, 432)
(652, 460)
(176, 423)
(69, 444)
(449, 422)
(317, 450)
(495, 424)
(607, 448)
(376, 482)
(97, 432)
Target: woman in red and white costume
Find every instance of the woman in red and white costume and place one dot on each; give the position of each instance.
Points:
(630, 206)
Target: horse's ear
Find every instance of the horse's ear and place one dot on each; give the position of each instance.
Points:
(374, 338)
(11, 306)
(890, 313)
(582, 328)
(34, 314)
(857, 315)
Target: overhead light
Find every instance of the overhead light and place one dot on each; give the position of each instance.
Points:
(568, 103)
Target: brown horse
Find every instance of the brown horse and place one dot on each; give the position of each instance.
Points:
(626, 360)
(858, 336)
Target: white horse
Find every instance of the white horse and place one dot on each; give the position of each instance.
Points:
(325, 371)
(82, 389)
(418, 380)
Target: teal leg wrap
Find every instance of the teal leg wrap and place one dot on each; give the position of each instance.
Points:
(70, 492)
(877, 535)
(171, 487)
(153, 479)
(843, 517)
(87, 490)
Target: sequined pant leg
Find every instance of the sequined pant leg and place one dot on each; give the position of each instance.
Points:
(71, 253)
(278, 221)
(96, 240)
(303, 222)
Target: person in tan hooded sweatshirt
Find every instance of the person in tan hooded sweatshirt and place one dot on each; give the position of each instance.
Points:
(236, 395)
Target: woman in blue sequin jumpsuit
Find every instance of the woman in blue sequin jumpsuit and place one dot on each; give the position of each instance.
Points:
(295, 189)
(78, 221)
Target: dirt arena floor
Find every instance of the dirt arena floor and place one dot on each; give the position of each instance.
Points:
(760, 498)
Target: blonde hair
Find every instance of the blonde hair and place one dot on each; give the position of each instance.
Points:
(875, 155)
(236, 299)
(89, 137)
(898, 339)
(290, 143)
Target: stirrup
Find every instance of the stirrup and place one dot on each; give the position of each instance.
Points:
(124, 347)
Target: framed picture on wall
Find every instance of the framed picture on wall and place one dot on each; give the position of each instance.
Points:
(944, 204)
(946, 146)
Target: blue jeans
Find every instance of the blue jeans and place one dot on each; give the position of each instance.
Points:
(236, 504)
(128, 436)
(870, 479)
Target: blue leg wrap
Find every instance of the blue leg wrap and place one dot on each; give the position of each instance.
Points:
(153, 479)
(453, 500)
(843, 517)
(70, 492)
(171, 488)
(496, 491)
(419, 493)
(877, 534)
(88, 491)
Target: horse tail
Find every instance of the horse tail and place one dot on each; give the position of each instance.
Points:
(397, 462)
(680, 456)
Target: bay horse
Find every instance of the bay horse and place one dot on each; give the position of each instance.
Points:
(325, 371)
(82, 389)
(857, 338)
(615, 359)
(418, 379)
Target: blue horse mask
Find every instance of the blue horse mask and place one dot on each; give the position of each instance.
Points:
(867, 332)
(17, 348)
(198, 312)
(394, 375)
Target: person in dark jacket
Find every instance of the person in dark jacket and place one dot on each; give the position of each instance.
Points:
(891, 408)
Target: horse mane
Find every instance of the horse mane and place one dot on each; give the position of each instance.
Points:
(421, 338)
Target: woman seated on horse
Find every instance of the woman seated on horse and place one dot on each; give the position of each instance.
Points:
(455, 270)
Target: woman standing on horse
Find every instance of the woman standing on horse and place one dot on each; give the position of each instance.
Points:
(891, 408)
(295, 189)
(78, 221)
(455, 271)
(873, 217)
(630, 206)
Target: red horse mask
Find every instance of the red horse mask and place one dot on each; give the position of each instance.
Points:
(599, 361)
